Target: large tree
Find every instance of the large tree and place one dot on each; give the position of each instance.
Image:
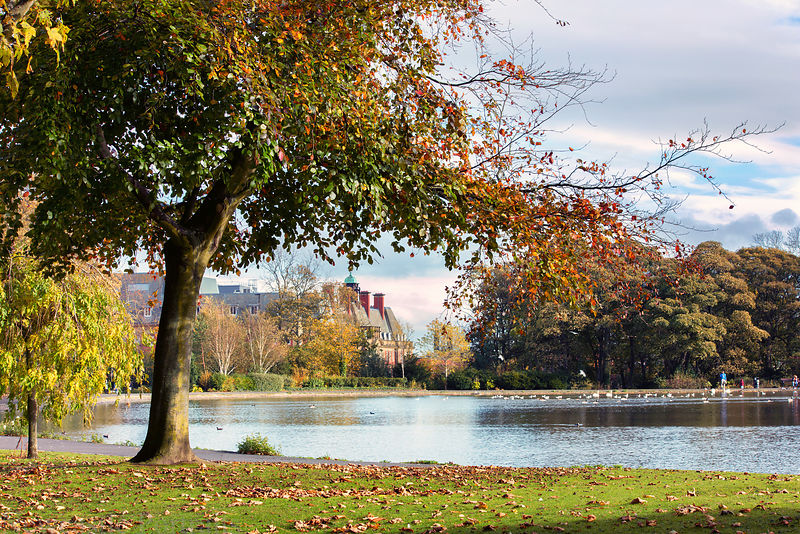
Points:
(210, 134)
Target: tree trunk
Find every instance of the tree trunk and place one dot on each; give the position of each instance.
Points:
(632, 358)
(167, 440)
(602, 356)
(33, 427)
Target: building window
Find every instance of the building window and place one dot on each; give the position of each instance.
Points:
(254, 310)
(139, 287)
(148, 312)
(233, 310)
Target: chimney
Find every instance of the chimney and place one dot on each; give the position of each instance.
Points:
(379, 303)
(363, 296)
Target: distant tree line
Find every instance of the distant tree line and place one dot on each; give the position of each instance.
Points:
(658, 322)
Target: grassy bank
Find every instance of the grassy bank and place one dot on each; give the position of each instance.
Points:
(68, 492)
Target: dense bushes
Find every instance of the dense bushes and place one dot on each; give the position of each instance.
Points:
(354, 382)
(273, 382)
(208, 381)
(683, 381)
(465, 379)
(267, 381)
(480, 379)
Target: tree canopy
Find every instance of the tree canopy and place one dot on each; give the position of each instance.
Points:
(210, 134)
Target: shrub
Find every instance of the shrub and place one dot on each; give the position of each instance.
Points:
(267, 381)
(459, 380)
(204, 380)
(243, 382)
(522, 380)
(314, 382)
(556, 382)
(338, 382)
(217, 381)
(513, 380)
(256, 444)
(228, 384)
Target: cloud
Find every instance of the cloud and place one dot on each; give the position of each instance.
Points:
(784, 217)
(677, 64)
(733, 235)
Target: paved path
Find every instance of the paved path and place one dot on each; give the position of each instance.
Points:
(105, 449)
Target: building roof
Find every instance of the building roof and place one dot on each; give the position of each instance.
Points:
(209, 286)
(350, 279)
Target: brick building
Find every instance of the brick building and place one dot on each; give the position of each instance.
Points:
(380, 320)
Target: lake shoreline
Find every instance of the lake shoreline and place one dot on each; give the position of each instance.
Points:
(109, 398)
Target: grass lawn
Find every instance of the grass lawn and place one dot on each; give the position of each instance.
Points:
(70, 493)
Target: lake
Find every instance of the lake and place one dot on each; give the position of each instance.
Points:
(751, 432)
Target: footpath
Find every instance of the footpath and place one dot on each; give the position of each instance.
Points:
(126, 452)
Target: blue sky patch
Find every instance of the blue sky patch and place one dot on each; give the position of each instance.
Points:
(792, 140)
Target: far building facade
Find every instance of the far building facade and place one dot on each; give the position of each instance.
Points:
(379, 319)
(142, 294)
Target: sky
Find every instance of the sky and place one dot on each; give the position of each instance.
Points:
(674, 65)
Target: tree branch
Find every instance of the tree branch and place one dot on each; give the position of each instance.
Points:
(155, 210)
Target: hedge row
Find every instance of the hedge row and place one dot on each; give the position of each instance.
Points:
(275, 382)
(466, 379)
(242, 382)
(355, 382)
(474, 379)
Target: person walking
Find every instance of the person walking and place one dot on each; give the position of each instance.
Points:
(723, 380)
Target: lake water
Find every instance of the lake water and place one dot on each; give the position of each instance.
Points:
(756, 433)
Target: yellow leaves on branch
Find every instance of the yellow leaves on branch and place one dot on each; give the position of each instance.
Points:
(63, 341)
(18, 34)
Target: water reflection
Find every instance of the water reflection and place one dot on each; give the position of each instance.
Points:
(734, 432)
